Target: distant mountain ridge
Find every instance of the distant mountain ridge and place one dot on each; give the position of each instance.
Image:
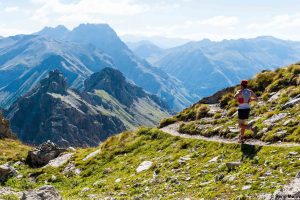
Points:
(25, 60)
(146, 50)
(139, 71)
(207, 66)
(86, 49)
(52, 111)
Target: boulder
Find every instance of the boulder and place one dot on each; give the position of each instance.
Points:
(41, 155)
(6, 171)
(144, 166)
(60, 160)
(232, 165)
(290, 191)
(47, 192)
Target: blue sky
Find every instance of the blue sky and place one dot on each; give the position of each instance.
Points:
(189, 19)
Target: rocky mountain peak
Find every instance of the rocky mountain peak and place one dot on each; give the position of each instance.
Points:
(106, 78)
(54, 83)
(113, 82)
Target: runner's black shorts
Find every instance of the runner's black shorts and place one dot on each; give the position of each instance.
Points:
(243, 113)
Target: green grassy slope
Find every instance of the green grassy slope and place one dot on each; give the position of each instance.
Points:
(263, 169)
(283, 83)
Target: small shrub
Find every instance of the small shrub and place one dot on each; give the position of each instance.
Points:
(202, 111)
(295, 136)
(189, 128)
(225, 99)
(231, 111)
(217, 115)
(166, 122)
(296, 69)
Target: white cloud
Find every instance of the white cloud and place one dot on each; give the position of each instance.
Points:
(12, 9)
(278, 22)
(220, 21)
(8, 31)
(83, 8)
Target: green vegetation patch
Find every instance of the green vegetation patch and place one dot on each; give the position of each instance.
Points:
(185, 168)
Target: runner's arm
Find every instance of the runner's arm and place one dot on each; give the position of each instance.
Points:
(253, 96)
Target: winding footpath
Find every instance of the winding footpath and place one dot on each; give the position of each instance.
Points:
(173, 130)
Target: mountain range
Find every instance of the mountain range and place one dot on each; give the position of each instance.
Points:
(208, 66)
(86, 49)
(197, 150)
(107, 105)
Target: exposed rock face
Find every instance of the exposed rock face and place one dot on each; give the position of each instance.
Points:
(5, 131)
(292, 102)
(53, 112)
(6, 171)
(43, 154)
(47, 192)
(108, 105)
(290, 191)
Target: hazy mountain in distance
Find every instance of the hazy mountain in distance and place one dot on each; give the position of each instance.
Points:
(108, 105)
(58, 32)
(161, 42)
(152, 79)
(26, 59)
(145, 50)
(207, 66)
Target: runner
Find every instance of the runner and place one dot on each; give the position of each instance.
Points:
(244, 96)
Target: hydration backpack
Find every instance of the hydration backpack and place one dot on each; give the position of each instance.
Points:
(246, 95)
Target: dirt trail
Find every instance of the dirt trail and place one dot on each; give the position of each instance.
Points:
(173, 130)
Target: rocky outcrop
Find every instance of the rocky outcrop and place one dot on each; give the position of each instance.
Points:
(292, 102)
(6, 191)
(43, 154)
(47, 192)
(6, 171)
(5, 131)
(290, 191)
